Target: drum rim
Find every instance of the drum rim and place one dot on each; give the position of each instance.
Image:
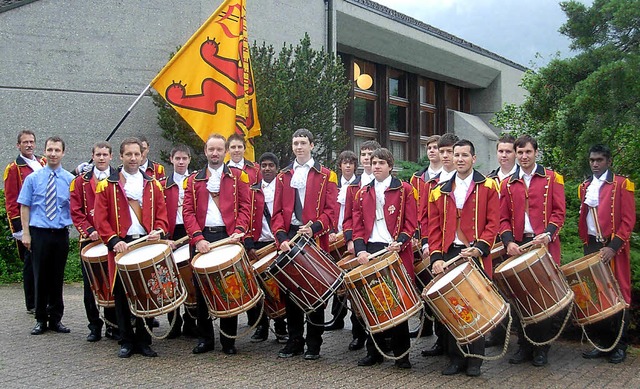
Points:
(352, 259)
(219, 266)
(284, 258)
(148, 262)
(463, 273)
(524, 264)
(88, 247)
(263, 268)
(580, 264)
(373, 266)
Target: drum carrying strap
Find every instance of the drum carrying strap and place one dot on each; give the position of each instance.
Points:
(461, 235)
(594, 213)
(216, 198)
(137, 209)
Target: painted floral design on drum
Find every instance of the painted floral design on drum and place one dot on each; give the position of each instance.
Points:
(162, 284)
(462, 311)
(382, 297)
(585, 292)
(272, 288)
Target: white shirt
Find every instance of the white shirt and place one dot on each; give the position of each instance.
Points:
(100, 174)
(239, 165)
(269, 191)
(365, 179)
(179, 180)
(145, 165)
(460, 194)
(299, 181)
(445, 175)
(133, 188)
(432, 173)
(214, 217)
(528, 229)
(380, 233)
(342, 198)
(502, 176)
(33, 163)
(592, 200)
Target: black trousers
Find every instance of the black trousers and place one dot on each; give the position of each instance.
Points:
(90, 307)
(399, 334)
(49, 250)
(28, 279)
(339, 311)
(254, 313)
(188, 317)
(228, 325)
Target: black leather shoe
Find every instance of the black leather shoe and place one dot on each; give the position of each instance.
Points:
(473, 371)
(356, 344)
(539, 357)
(125, 351)
(230, 350)
(435, 350)
(39, 328)
(521, 356)
(261, 334)
(147, 351)
(618, 355)
(370, 360)
(95, 335)
(59, 327)
(453, 368)
(403, 363)
(336, 325)
(594, 354)
(112, 333)
(282, 338)
(311, 355)
(292, 348)
(203, 346)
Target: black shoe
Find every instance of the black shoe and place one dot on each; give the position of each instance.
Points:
(125, 351)
(473, 371)
(231, 350)
(147, 351)
(453, 368)
(175, 332)
(311, 355)
(539, 357)
(59, 328)
(336, 325)
(39, 328)
(293, 347)
(112, 333)
(521, 356)
(189, 330)
(594, 354)
(155, 323)
(618, 355)
(403, 363)
(370, 360)
(203, 346)
(261, 334)
(356, 344)
(436, 350)
(95, 335)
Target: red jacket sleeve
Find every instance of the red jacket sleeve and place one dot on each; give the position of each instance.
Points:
(189, 211)
(160, 220)
(78, 211)
(558, 206)
(435, 225)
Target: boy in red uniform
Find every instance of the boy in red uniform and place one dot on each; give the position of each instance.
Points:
(236, 144)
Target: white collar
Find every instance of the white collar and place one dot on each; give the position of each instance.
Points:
(466, 181)
(522, 173)
(135, 176)
(98, 173)
(602, 178)
(308, 164)
(384, 183)
(217, 171)
(239, 165)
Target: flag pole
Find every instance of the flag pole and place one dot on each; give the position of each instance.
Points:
(128, 112)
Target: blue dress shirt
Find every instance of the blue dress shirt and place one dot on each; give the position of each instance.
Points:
(33, 195)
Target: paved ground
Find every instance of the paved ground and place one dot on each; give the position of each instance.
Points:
(67, 360)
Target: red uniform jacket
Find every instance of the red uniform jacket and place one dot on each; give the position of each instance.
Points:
(347, 220)
(423, 188)
(320, 205)
(171, 198)
(546, 207)
(253, 171)
(400, 210)
(14, 176)
(82, 201)
(479, 217)
(155, 170)
(112, 218)
(234, 202)
(616, 217)
(258, 209)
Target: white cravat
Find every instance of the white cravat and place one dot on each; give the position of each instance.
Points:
(213, 184)
(299, 182)
(214, 217)
(592, 200)
(365, 179)
(380, 233)
(100, 174)
(179, 180)
(269, 191)
(528, 228)
(33, 163)
(342, 198)
(133, 188)
(460, 194)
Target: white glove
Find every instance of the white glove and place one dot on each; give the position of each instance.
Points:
(425, 247)
(84, 167)
(17, 235)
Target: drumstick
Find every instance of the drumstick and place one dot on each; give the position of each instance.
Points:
(297, 235)
(221, 242)
(452, 260)
(142, 239)
(181, 240)
(526, 245)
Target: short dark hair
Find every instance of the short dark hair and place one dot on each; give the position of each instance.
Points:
(383, 154)
(268, 156)
(347, 156)
(238, 137)
(447, 140)
(303, 133)
(54, 139)
(26, 132)
(102, 145)
(143, 138)
(432, 138)
(130, 141)
(601, 149)
(180, 147)
(506, 138)
(370, 145)
(523, 140)
(465, 142)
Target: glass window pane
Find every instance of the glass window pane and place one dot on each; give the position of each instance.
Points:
(453, 97)
(427, 123)
(427, 91)
(397, 83)
(423, 150)
(364, 75)
(364, 113)
(397, 119)
(399, 150)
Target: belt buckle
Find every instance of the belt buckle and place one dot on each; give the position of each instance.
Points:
(136, 236)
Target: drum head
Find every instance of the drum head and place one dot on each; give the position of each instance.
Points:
(142, 254)
(518, 260)
(181, 254)
(217, 256)
(447, 278)
(265, 261)
(99, 250)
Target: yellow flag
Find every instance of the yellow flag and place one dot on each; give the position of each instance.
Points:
(209, 81)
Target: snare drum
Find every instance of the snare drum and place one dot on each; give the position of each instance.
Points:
(597, 294)
(273, 300)
(465, 302)
(182, 257)
(338, 248)
(348, 263)
(423, 275)
(307, 274)
(535, 284)
(96, 266)
(150, 279)
(226, 280)
(382, 292)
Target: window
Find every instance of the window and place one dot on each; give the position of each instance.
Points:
(365, 102)
(427, 91)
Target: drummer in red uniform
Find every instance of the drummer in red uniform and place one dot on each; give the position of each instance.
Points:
(236, 144)
(129, 204)
(607, 218)
(384, 216)
(82, 201)
(149, 167)
(463, 220)
(216, 206)
(306, 192)
(532, 208)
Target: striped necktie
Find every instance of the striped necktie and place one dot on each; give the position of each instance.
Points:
(50, 205)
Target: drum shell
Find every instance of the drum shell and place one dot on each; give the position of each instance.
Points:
(97, 270)
(186, 273)
(468, 305)
(597, 294)
(423, 275)
(152, 285)
(382, 292)
(536, 286)
(338, 248)
(274, 304)
(230, 287)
